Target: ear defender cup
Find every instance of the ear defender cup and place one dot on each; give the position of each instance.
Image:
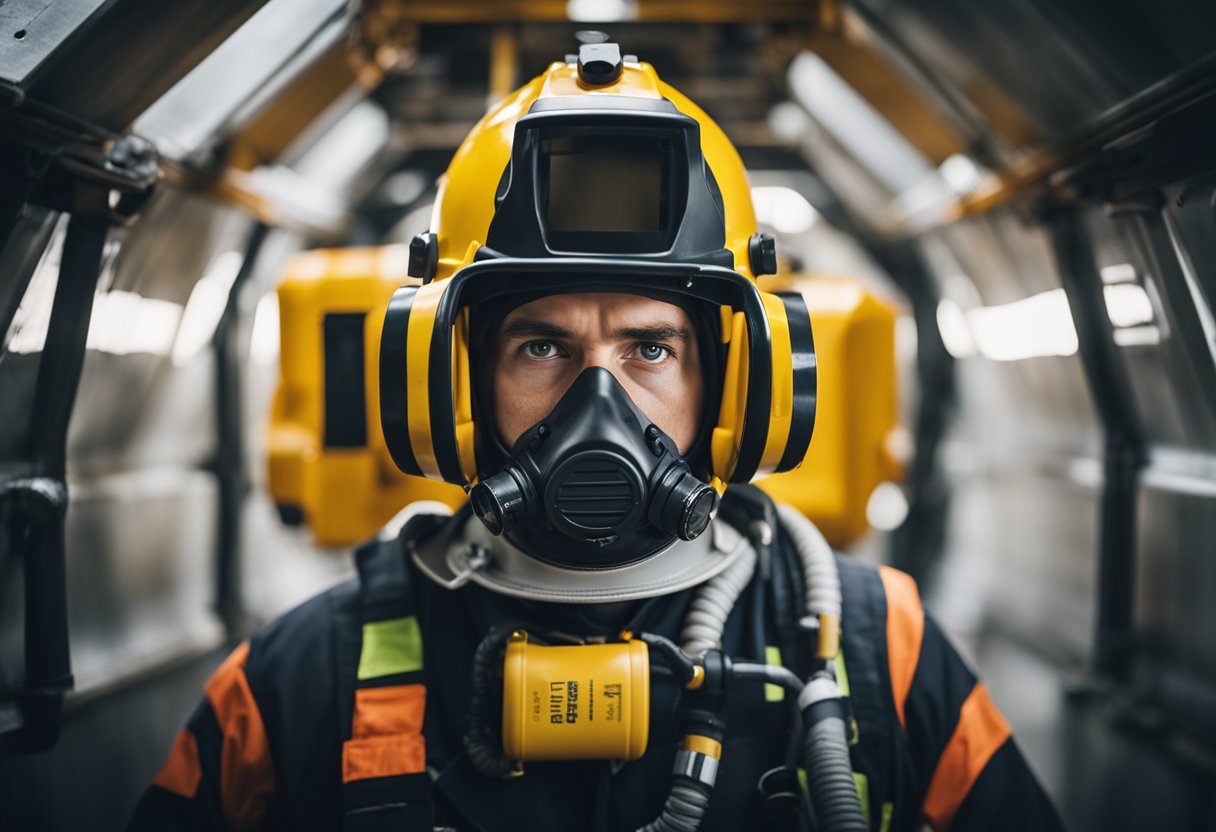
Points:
(767, 418)
(791, 396)
(426, 408)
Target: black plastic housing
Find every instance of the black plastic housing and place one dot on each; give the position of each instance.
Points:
(696, 228)
(590, 471)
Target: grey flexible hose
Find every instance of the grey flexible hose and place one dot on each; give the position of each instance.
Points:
(772, 674)
(485, 754)
(684, 810)
(703, 625)
(713, 602)
(829, 767)
(818, 562)
(826, 747)
(833, 790)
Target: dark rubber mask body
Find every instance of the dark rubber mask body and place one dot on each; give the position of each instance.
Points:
(595, 484)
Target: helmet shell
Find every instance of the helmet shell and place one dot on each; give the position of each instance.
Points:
(767, 388)
(464, 207)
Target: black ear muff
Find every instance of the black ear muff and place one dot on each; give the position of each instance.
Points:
(394, 402)
(758, 406)
(804, 368)
(424, 384)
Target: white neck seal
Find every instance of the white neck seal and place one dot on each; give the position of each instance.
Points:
(472, 554)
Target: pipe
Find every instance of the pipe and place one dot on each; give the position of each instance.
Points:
(770, 674)
(706, 618)
(484, 753)
(41, 500)
(829, 768)
(678, 660)
(684, 809)
(694, 772)
(703, 626)
(821, 579)
(229, 463)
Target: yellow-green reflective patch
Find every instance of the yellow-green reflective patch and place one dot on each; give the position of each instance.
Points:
(393, 646)
(863, 791)
(842, 679)
(842, 676)
(772, 657)
(888, 809)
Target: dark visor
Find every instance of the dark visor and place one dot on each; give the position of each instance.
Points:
(621, 180)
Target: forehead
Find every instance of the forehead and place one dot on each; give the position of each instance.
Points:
(600, 310)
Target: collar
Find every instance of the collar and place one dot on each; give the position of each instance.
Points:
(469, 553)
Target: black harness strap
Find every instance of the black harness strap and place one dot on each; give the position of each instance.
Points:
(864, 645)
(385, 782)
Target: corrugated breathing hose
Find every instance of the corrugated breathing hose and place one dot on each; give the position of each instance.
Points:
(834, 796)
(707, 614)
(822, 582)
(485, 753)
(686, 806)
(695, 769)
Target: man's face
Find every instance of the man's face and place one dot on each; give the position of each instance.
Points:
(649, 346)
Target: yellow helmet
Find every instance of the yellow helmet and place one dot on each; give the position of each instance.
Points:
(534, 201)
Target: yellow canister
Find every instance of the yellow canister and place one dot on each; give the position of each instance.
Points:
(584, 702)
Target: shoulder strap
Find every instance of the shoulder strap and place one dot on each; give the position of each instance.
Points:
(876, 757)
(382, 698)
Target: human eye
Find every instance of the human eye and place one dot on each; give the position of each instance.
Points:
(540, 350)
(652, 353)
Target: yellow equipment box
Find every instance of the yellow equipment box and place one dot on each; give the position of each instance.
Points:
(856, 416)
(329, 466)
(330, 470)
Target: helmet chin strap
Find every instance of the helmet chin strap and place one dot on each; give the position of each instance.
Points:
(475, 555)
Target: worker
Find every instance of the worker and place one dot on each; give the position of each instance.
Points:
(588, 353)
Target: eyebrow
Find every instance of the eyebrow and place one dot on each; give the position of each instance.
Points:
(532, 328)
(664, 332)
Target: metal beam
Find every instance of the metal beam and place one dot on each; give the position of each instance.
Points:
(1124, 454)
(130, 53)
(229, 463)
(557, 11)
(34, 507)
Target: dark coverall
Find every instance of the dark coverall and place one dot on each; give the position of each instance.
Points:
(348, 713)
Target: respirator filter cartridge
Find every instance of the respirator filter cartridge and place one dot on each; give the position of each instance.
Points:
(581, 702)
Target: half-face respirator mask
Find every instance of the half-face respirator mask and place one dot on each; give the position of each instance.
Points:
(595, 483)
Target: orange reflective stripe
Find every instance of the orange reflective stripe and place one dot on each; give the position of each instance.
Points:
(396, 709)
(905, 629)
(181, 771)
(246, 774)
(383, 756)
(980, 732)
(386, 733)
